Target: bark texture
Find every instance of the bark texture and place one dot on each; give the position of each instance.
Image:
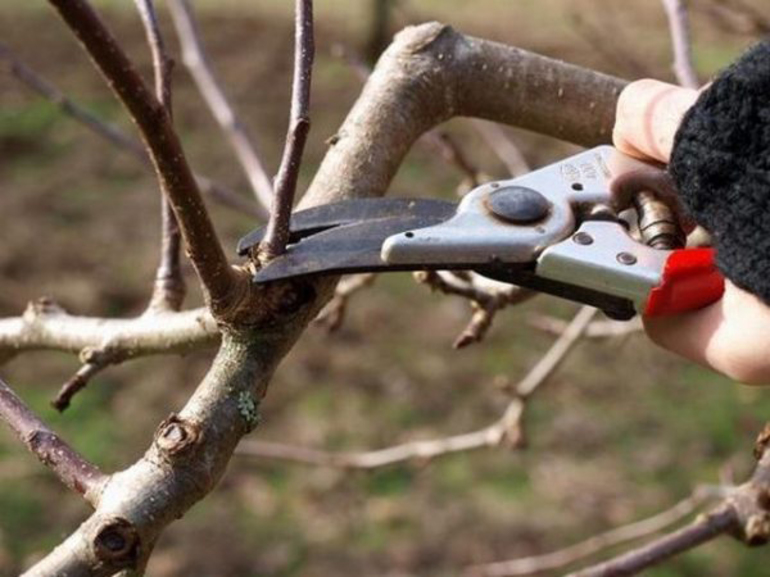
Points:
(430, 74)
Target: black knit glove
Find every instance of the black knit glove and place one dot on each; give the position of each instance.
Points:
(721, 165)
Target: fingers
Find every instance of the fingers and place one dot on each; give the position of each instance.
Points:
(731, 336)
(648, 115)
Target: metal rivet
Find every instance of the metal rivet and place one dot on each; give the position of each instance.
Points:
(583, 238)
(626, 258)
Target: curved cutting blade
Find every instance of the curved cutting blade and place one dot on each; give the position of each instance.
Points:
(345, 249)
(315, 220)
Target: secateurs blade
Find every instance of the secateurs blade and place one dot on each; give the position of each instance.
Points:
(555, 230)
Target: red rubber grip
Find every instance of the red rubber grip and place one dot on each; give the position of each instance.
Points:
(690, 281)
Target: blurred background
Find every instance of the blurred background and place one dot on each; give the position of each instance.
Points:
(620, 432)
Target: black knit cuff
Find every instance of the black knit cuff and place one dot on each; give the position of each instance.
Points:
(721, 165)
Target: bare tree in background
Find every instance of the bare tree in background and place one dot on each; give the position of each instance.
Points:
(429, 74)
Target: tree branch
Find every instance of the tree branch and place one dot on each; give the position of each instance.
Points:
(487, 298)
(430, 66)
(187, 458)
(503, 146)
(178, 184)
(112, 133)
(94, 361)
(612, 538)
(676, 13)
(506, 429)
(333, 313)
(46, 326)
(277, 233)
(743, 513)
(72, 469)
(702, 530)
(600, 329)
(736, 16)
(197, 63)
(474, 78)
(169, 289)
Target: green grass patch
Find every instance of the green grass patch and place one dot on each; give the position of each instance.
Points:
(389, 482)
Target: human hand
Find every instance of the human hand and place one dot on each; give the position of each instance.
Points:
(731, 336)
(648, 115)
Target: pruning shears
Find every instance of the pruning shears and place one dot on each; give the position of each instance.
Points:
(597, 228)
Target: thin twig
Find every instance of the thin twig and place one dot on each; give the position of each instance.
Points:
(676, 13)
(502, 145)
(169, 289)
(113, 133)
(600, 329)
(94, 360)
(743, 513)
(507, 429)
(75, 384)
(616, 54)
(49, 91)
(450, 151)
(736, 16)
(613, 538)
(176, 179)
(197, 63)
(487, 299)
(72, 469)
(333, 313)
(277, 233)
(702, 530)
(367, 460)
(162, 65)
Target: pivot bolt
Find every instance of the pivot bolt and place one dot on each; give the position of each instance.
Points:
(518, 205)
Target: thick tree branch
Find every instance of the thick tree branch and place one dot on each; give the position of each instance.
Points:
(46, 326)
(277, 233)
(428, 75)
(474, 78)
(177, 181)
(72, 469)
(187, 458)
(197, 63)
